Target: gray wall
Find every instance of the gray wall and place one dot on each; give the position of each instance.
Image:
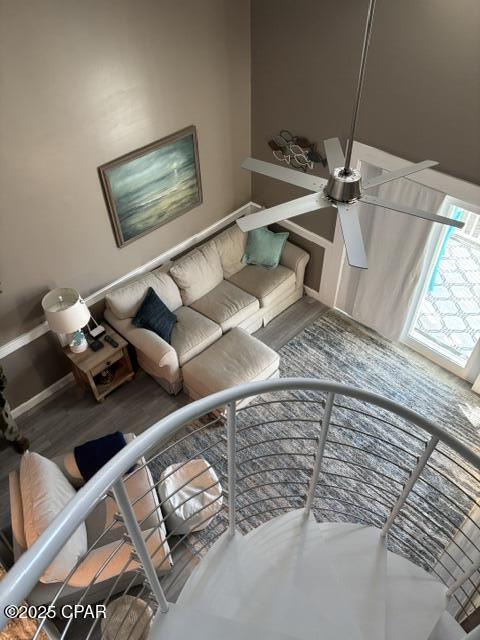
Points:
(315, 264)
(80, 84)
(422, 92)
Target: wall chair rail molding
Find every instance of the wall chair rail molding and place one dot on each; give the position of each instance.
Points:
(38, 331)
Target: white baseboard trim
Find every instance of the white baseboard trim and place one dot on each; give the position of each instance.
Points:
(311, 293)
(43, 395)
(29, 336)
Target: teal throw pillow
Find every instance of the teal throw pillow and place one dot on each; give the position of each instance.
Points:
(264, 247)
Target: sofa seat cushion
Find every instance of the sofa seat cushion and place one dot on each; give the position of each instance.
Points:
(192, 333)
(265, 284)
(227, 305)
(234, 359)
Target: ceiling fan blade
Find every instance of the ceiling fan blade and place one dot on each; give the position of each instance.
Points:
(399, 173)
(290, 209)
(334, 153)
(312, 183)
(411, 211)
(352, 234)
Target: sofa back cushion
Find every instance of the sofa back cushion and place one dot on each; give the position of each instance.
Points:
(231, 245)
(126, 301)
(198, 272)
(45, 493)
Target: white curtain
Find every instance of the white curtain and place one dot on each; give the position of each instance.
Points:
(380, 296)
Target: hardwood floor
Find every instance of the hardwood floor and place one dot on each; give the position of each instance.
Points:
(72, 416)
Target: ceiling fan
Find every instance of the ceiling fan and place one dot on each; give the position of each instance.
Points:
(344, 188)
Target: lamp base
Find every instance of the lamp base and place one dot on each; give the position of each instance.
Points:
(79, 343)
(79, 348)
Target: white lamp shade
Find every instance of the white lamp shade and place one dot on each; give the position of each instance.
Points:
(65, 310)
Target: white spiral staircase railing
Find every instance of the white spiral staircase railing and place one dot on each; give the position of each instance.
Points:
(338, 452)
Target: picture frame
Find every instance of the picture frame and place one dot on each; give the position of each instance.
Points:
(153, 185)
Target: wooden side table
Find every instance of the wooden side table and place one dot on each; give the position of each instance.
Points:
(88, 366)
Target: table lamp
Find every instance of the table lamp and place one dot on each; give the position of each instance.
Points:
(67, 313)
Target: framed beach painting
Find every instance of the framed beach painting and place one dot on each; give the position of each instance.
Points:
(147, 188)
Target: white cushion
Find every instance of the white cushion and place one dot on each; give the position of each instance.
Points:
(227, 305)
(125, 301)
(234, 359)
(110, 560)
(191, 496)
(192, 334)
(265, 284)
(231, 245)
(197, 273)
(16, 514)
(45, 493)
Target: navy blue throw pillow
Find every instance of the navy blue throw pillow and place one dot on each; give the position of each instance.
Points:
(93, 455)
(156, 316)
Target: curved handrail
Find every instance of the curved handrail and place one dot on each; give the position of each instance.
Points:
(24, 575)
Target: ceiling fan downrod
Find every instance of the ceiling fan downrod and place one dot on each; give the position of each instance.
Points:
(344, 183)
(360, 83)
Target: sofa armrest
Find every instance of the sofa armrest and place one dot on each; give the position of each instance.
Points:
(296, 259)
(146, 341)
(152, 345)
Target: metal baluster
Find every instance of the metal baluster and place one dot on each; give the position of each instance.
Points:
(136, 537)
(320, 451)
(414, 475)
(232, 465)
(464, 577)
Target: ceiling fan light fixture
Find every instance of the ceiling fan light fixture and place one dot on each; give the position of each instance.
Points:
(344, 187)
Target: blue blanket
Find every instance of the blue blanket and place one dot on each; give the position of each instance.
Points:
(91, 456)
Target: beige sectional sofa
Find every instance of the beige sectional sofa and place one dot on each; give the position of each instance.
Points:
(211, 291)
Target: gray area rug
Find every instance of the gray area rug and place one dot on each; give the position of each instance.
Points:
(366, 460)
